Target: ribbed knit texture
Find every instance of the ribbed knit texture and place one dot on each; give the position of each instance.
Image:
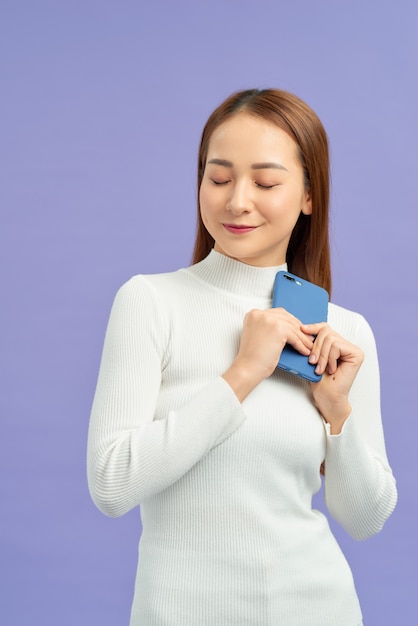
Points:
(229, 535)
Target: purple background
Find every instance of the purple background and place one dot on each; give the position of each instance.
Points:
(102, 104)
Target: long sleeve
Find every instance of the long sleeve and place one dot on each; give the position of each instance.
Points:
(225, 489)
(132, 455)
(360, 490)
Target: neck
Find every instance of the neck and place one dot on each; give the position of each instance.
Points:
(239, 278)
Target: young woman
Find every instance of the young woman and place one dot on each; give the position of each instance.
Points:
(193, 421)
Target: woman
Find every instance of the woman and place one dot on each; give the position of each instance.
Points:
(193, 421)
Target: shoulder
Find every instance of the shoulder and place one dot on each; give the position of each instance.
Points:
(155, 286)
(154, 294)
(341, 315)
(351, 325)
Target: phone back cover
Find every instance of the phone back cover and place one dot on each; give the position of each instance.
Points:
(307, 302)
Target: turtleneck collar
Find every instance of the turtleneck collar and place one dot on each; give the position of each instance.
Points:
(231, 275)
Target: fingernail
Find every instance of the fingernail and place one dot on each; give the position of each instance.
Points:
(312, 358)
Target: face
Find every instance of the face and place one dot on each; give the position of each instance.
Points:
(252, 190)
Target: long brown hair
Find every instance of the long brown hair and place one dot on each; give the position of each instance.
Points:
(308, 253)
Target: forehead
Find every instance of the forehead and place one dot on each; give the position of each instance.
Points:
(251, 135)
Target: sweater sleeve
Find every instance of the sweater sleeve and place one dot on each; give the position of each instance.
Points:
(131, 455)
(360, 490)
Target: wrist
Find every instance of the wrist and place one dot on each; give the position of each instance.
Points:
(336, 415)
(242, 379)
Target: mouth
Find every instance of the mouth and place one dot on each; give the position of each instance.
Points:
(239, 229)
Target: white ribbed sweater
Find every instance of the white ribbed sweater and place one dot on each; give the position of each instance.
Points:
(229, 535)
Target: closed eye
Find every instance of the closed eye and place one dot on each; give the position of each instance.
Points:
(219, 182)
(266, 186)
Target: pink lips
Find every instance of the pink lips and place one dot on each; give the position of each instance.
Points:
(239, 230)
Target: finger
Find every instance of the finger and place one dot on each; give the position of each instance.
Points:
(301, 345)
(333, 359)
(313, 329)
(291, 328)
(318, 334)
(297, 339)
(306, 340)
(317, 347)
(326, 353)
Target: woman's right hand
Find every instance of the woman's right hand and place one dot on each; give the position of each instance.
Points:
(264, 335)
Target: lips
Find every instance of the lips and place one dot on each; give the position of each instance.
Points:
(239, 229)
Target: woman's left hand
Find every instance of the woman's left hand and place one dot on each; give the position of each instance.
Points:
(338, 361)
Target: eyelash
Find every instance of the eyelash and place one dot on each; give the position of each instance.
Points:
(259, 185)
(266, 186)
(217, 182)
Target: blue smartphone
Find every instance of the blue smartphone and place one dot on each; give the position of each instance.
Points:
(307, 302)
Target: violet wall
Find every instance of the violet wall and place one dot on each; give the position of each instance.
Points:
(102, 104)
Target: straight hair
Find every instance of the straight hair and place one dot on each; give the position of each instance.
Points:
(308, 252)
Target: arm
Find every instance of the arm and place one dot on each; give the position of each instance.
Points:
(360, 490)
(263, 337)
(131, 456)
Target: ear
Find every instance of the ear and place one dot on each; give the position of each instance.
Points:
(307, 204)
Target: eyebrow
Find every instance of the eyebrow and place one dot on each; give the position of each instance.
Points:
(267, 166)
(254, 166)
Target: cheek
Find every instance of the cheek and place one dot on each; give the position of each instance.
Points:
(286, 206)
(206, 200)
(204, 193)
(203, 202)
(202, 196)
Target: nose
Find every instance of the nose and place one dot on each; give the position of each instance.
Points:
(239, 200)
